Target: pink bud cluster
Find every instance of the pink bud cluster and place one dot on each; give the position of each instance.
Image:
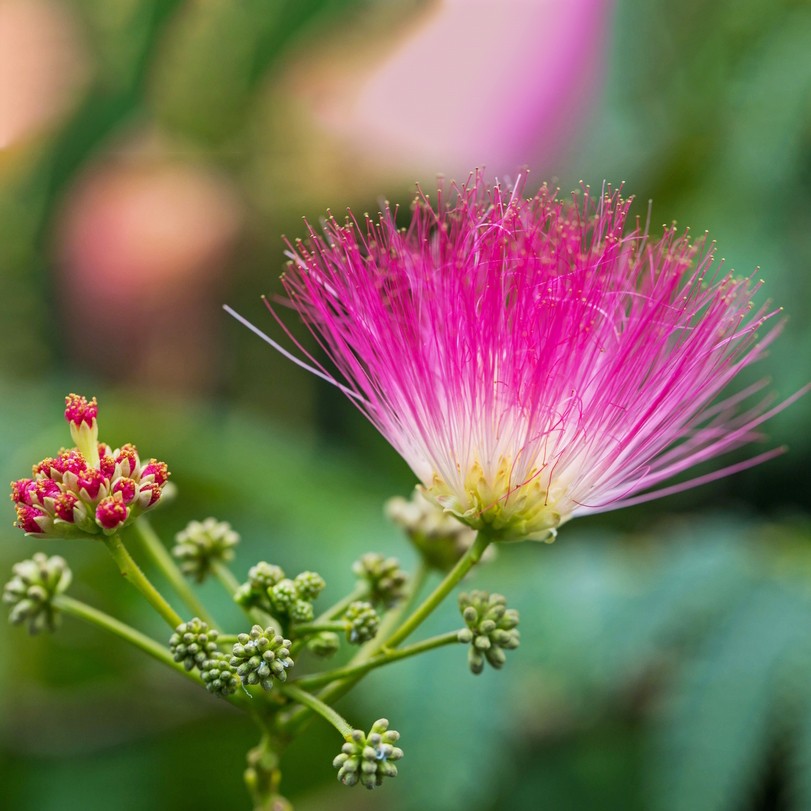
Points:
(70, 495)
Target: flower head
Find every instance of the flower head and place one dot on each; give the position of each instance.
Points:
(367, 759)
(88, 489)
(533, 359)
(491, 629)
(202, 544)
(32, 589)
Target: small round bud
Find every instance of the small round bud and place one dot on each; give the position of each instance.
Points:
(324, 645)
(202, 543)
(111, 513)
(219, 675)
(491, 629)
(362, 622)
(261, 656)
(387, 581)
(367, 759)
(193, 643)
(31, 590)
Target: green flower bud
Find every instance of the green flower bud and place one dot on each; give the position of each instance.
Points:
(309, 585)
(254, 593)
(31, 590)
(202, 543)
(219, 675)
(362, 622)
(193, 643)
(491, 629)
(386, 580)
(301, 611)
(283, 596)
(261, 656)
(293, 598)
(324, 645)
(367, 759)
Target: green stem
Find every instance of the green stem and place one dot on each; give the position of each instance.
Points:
(323, 622)
(130, 570)
(315, 704)
(338, 688)
(390, 620)
(309, 628)
(358, 593)
(423, 611)
(263, 775)
(353, 671)
(165, 562)
(226, 577)
(106, 622)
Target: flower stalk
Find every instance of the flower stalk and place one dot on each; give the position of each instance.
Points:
(426, 608)
(160, 556)
(130, 570)
(354, 671)
(330, 715)
(100, 619)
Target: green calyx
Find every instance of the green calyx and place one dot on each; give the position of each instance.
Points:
(491, 629)
(261, 656)
(32, 588)
(367, 759)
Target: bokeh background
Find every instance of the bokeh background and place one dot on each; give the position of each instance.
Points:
(153, 152)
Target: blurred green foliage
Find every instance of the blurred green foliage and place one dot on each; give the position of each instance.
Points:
(666, 650)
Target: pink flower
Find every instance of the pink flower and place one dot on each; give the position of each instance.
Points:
(89, 489)
(534, 359)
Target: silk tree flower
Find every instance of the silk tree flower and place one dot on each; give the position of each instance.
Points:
(89, 489)
(536, 359)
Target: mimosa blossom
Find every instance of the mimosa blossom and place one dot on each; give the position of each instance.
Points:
(536, 359)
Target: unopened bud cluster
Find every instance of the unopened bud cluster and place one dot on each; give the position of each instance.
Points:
(89, 489)
(361, 621)
(219, 675)
(491, 629)
(367, 759)
(324, 644)
(31, 590)
(289, 600)
(440, 537)
(386, 580)
(194, 644)
(201, 544)
(261, 656)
